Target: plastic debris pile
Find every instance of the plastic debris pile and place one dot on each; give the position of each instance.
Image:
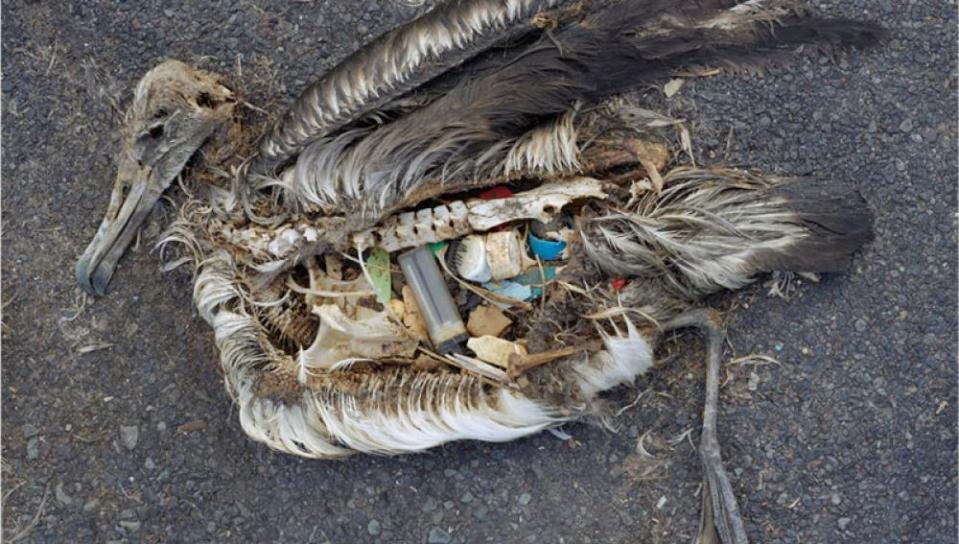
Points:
(462, 296)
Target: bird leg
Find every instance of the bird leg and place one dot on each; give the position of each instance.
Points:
(721, 520)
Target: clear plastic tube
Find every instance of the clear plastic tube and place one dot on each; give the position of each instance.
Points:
(442, 318)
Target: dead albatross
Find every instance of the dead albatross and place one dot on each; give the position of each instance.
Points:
(462, 231)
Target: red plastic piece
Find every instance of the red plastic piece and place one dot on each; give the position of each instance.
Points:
(494, 193)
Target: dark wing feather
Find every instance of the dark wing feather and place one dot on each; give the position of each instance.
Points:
(607, 52)
(394, 64)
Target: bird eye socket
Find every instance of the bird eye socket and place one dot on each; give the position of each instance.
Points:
(156, 131)
(204, 100)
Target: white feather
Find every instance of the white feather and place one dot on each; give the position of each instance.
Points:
(624, 358)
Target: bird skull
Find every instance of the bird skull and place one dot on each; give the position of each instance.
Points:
(175, 109)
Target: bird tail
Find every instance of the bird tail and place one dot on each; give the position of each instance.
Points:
(836, 222)
(713, 229)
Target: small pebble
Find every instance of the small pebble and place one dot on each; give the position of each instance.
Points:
(835, 499)
(129, 436)
(466, 498)
(438, 536)
(33, 448)
(843, 523)
(525, 498)
(61, 495)
(428, 505)
(753, 383)
(149, 464)
(373, 527)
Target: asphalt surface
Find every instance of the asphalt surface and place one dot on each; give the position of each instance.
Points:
(116, 426)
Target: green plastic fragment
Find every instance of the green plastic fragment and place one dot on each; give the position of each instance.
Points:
(378, 267)
(437, 247)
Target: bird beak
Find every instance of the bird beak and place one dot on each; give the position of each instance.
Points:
(135, 192)
(175, 109)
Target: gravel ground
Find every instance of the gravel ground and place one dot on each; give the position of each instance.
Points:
(116, 426)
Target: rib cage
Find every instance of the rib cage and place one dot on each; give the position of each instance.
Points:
(286, 318)
(396, 410)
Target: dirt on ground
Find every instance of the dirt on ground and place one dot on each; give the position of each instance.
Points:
(116, 425)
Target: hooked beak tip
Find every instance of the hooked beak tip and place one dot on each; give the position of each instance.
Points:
(98, 263)
(82, 273)
(93, 280)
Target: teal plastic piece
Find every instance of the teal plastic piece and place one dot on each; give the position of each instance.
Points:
(535, 279)
(437, 247)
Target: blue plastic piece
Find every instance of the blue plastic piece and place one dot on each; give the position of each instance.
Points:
(547, 250)
(509, 289)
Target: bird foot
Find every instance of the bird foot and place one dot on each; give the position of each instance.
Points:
(721, 521)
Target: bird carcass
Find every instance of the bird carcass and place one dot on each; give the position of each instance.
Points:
(465, 230)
